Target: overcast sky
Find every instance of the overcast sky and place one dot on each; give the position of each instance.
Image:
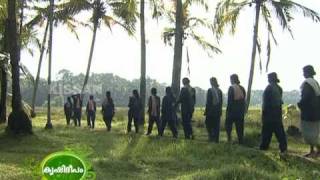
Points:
(119, 54)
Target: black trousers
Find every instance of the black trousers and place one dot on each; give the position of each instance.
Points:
(213, 128)
(68, 118)
(186, 123)
(135, 122)
(108, 120)
(77, 117)
(91, 118)
(239, 122)
(171, 121)
(152, 120)
(268, 128)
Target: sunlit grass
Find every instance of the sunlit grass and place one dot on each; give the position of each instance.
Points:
(117, 155)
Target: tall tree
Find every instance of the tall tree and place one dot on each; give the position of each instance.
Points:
(185, 29)
(42, 17)
(143, 59)
(227, 13)
(27, 37)
(177, 58)
(4, 65)
(18, 121)
(35, 87)
(157, 10)
(122, 13)
(51, 11)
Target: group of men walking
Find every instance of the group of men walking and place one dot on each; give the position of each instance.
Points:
(164, 113)
(309, 105)
(73, 110)
(168, 108)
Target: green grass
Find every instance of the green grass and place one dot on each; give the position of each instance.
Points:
(117, 155)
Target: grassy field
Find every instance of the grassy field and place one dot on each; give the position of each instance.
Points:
(117, 155)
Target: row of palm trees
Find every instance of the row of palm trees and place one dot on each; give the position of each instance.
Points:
(124, 13)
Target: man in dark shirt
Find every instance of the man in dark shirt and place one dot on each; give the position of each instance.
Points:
(235, 108)
(134, 113)
(187, 99)
(272, 115)
(108, 110)
(68, 110)
(168, 113)
(310, 110)
(91, 112)
(213, 110)
(77, 109)
(154, 111)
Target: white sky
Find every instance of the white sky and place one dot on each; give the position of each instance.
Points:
(119, 54)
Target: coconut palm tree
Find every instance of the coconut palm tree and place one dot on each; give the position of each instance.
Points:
(178, 44)
(42, 49)
(143, 60)
(185, 30)
(51, 11)
(37, 21)
(227, 13)
(109, 13)
(18, 121)
(27, 37)
(157, 10)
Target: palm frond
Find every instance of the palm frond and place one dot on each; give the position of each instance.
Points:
(126, 10)
(188, 63)
(73, 7)
(167, 35)
(307, 12)
(202, 3)
(108, 21)
(196, 22)
(267, 18)
(39, 18)
(259, 53)
(227, 13)
(72, 28)
(25, 71)
(283, 14)
(157, 8)
(29, 37)
(205, 44)
(268, 53)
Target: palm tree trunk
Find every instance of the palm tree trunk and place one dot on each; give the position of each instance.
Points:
(35, 88)
(18, 121)
(49, 124)
(14, 55)
(95, 27)
(254, 50)
(143, 61)
(4, 89)
(177, 60)
(22, 3)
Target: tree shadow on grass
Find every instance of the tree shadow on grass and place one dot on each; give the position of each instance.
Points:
(203, 157)
(124, 164)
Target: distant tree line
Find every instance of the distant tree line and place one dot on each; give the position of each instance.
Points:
(67, 83)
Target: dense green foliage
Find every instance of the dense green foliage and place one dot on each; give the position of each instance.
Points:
(117, 155)
(120, 88)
